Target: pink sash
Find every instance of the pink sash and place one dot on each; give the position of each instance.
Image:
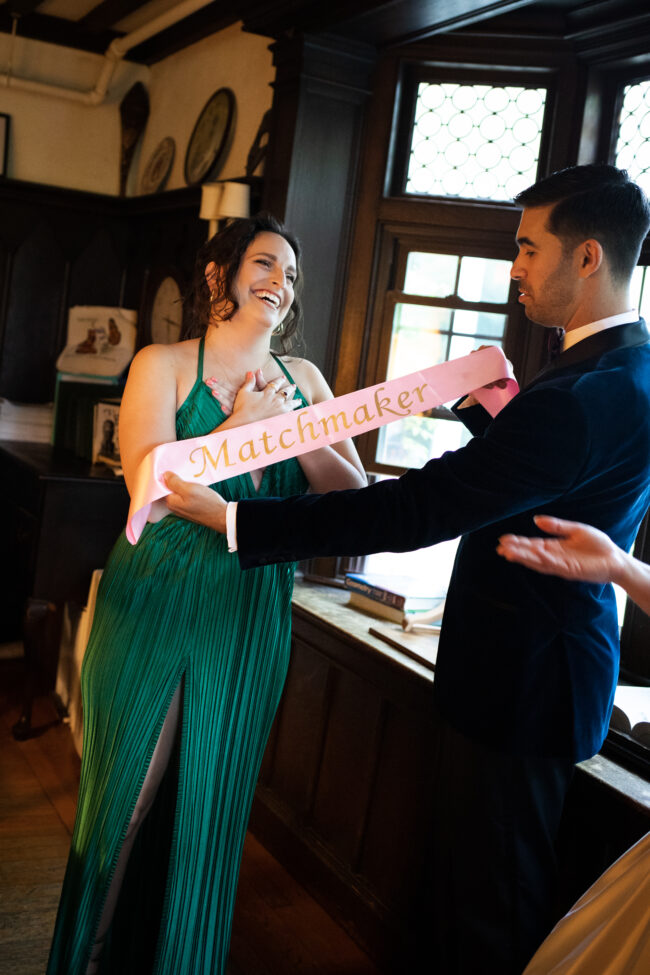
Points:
(218, 456)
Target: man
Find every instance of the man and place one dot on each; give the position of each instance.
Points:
(526, 664)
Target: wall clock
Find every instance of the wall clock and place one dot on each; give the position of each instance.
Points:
(159, 167)
(163, 313)
(211, 138)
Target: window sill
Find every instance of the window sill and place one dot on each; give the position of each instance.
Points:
(415, 652)
(628, 785)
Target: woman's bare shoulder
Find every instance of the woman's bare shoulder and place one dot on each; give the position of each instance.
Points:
(174, 356)
(308, 376)
(301, 367)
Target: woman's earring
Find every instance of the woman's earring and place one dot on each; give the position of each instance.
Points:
(278, 329)
(213, 297)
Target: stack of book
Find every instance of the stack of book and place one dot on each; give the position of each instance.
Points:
(399, 598)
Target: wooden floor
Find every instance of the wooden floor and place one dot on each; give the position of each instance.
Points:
(278, 928)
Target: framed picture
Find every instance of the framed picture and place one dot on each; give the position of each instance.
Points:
(4, 142)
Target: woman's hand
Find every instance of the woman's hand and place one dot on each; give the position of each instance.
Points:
(258, 400)
(576, 552)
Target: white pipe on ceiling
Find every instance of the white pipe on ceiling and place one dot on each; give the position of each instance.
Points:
(115, 52)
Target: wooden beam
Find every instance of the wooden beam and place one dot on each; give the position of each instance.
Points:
(107, 13)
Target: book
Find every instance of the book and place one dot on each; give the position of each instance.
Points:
(404, 593)
(631, 712)
(106, 441)
(386, 611)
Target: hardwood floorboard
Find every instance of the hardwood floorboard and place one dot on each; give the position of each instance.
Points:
(278, 929)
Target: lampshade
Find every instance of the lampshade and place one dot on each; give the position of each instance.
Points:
(210, 197)
(235, 200)
(220, 200)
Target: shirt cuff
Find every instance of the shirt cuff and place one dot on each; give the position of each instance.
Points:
(231, 525)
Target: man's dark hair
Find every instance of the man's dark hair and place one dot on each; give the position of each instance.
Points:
(596, 201)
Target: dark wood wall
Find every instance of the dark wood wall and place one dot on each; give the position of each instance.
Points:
(60, 248)
(313, 171)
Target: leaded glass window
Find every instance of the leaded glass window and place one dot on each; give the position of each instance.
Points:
(475, 141)
(633, 143)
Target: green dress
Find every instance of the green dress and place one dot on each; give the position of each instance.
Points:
(175, 608)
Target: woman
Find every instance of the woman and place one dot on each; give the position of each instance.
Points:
(188, 655)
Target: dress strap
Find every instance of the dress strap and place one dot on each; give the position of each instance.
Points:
(291, 380)
(199, 368)
(285, 371)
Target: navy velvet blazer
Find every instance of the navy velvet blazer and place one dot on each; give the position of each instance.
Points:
(526, 663)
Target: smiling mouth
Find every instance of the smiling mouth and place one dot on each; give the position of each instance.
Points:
(269, 298)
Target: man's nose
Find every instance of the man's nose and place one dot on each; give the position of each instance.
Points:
(515, 271)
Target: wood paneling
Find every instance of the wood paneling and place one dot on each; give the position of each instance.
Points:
(312, 170)
(346, 771)
(300, 731)
(62, 248)
(345, 802)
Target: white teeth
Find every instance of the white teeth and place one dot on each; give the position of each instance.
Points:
(268, 296)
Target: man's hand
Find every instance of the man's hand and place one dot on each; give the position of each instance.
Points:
(470, 399)
(196, 503)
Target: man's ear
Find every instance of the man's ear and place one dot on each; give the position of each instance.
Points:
(590, 257)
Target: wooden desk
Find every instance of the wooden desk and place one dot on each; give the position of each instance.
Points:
(60, 517)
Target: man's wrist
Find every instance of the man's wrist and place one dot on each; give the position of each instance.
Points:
(230, 525)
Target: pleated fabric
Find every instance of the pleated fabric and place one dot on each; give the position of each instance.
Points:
(175, 609)
(606, 932)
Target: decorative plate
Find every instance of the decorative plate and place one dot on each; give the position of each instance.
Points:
(211, 138)
(159, 167)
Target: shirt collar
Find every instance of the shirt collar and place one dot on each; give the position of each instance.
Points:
(578, 334)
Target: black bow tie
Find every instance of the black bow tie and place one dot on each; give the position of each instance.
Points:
(554, 342)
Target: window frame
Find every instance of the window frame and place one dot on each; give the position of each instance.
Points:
(415, 73)
(394, 252)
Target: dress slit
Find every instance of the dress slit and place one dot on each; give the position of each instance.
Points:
(136, 904)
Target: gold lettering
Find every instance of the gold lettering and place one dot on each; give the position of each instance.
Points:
(366, 416)
(325, 420)
(418, 390)
(252, 453)
(284, 445)
(381, 404)
(301, 429)
(404, 400)
(265, 440)
(207, 456)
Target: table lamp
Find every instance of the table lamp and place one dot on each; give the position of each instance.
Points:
(223, 201)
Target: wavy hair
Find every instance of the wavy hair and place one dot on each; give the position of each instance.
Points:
(226, 250)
